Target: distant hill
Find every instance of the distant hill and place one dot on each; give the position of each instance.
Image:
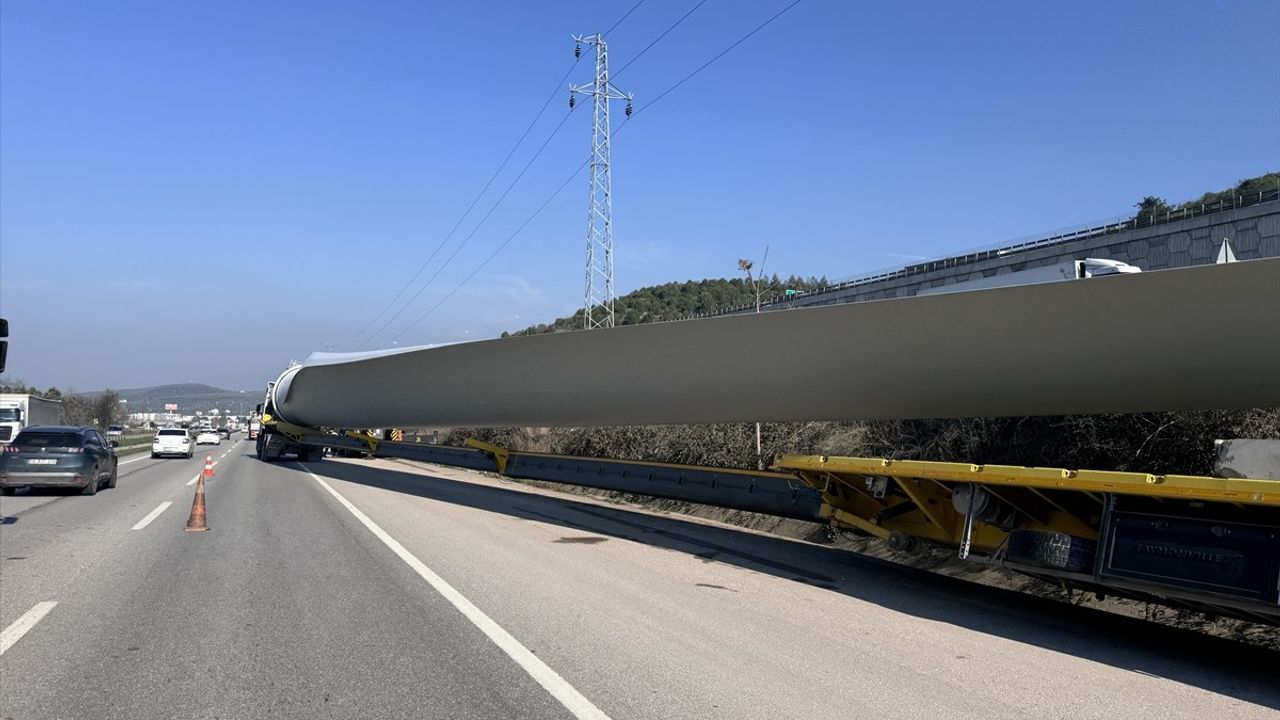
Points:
(189, 397)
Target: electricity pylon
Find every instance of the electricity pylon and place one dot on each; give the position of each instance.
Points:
(599, 297)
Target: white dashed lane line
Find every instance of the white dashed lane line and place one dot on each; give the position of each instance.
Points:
(14, 632)
(152, 515)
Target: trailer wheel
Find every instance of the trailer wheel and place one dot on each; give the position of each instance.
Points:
(1056, 550)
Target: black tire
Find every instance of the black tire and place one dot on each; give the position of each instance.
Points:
(1055, 550)
(8, 491)
(115, 477)
(91, 488)
(154, 456)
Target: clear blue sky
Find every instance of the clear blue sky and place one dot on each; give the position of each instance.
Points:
(203, 191)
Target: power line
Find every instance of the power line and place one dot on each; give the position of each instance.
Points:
(657, 39)
(474, 202)
(558, 88)
(624, 17)
(475, 229)
(498, 249)
(580, 168)
(717, 56)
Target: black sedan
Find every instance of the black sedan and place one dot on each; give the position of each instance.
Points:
(58, 457)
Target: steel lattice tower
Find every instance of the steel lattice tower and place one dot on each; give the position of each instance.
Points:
(599, 296)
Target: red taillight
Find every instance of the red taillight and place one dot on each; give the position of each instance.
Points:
(11, 449)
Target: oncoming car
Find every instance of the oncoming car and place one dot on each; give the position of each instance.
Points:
(208, 437)
(58, 457)
(172, 441)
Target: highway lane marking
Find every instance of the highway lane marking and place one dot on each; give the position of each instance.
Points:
(126, 462)
(574, 701)
(152, 515)
(14, 632)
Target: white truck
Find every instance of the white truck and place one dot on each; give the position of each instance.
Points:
(20, 411)
(1067, 270)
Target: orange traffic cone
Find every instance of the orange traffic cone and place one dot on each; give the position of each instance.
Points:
(197, 521)
(208, 466)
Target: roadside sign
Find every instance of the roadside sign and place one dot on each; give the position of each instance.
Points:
(171, 406)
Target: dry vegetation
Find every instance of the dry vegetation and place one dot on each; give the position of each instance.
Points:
(1168, 442)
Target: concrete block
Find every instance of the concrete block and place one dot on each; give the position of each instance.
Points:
(1268, 247)
(1202, 248)
(1245, 240)
(1158, 258)
(1248, 458)
(1179, 242)
(1269, 225)
(1199, 232)
(1138, 249)
(1179, 259)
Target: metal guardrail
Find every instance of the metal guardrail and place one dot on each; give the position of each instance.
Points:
(1185, 212)
(754, 491)
(439, 454)
(761, 492)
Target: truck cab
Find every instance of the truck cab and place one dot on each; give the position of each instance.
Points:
(11, 421)
(19, 411)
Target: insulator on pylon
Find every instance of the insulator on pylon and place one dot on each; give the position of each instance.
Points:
(571, 101)
(577, 51)
(628, 111)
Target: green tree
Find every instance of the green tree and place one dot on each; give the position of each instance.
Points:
(77, 410)
(1151, 209)
(106, 408)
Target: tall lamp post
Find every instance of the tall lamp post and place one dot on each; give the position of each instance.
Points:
(746, 266)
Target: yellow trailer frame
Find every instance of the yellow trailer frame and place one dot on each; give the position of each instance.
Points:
(858, 494)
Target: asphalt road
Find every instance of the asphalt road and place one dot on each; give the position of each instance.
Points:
(373, 589)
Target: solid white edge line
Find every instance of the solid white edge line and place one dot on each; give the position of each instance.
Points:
(574, 701)
(14, 632)
(126, 462)
(152, 515)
